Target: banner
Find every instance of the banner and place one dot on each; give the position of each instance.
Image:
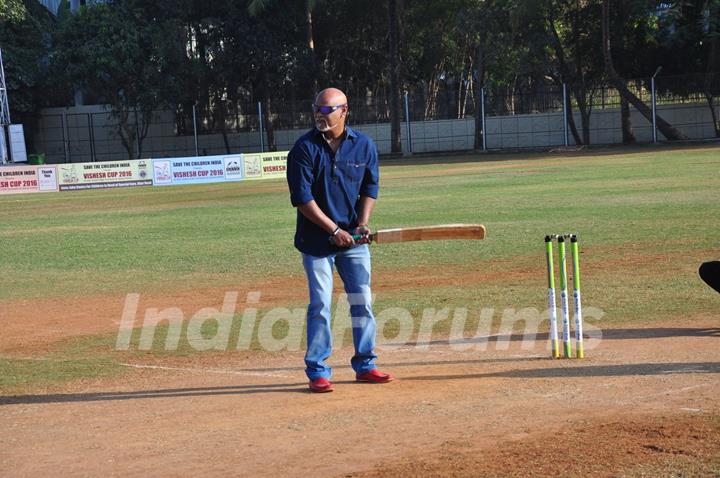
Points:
(106, 174)
(47, 178)
(266, 165)
(197, 169)
(142, 172)
(28, 179)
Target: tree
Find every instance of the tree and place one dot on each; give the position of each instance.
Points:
(118, 51)
(25, 39)
(482, 26)
(688, 34)
(711, 88)
(354, 56)
(268, 50)
(255, 7)
(619, 83)
(575, 35)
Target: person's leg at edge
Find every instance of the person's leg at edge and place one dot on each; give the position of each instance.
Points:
(319, 271)
(354, 268)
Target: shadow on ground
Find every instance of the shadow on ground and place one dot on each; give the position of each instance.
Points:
(563, 371)
(605, 334)
(589, 371)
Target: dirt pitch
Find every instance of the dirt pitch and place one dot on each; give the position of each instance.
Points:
(643, 403)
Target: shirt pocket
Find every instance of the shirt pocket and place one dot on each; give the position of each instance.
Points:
(356, 171)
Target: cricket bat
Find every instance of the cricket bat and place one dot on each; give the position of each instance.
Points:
(440, 232)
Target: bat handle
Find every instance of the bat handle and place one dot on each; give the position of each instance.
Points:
(358, 238)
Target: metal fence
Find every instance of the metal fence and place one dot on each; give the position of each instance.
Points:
(439, 121)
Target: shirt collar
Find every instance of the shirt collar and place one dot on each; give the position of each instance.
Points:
(349, 132)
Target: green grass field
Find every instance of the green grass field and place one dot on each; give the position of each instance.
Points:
(646, 219)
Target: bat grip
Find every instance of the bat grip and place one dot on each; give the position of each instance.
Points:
(356, 237)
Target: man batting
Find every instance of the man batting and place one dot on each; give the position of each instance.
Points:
(332, 173)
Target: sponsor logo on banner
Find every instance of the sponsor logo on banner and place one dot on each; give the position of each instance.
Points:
(68, 175)
(234, 167)
(253, 166)
(162, 170)
(143, 167)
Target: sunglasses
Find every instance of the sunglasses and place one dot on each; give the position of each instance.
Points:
(326, 110)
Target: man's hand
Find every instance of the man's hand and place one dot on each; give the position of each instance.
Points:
(364, 232)
(343, 239)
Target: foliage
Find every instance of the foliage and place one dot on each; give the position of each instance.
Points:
(120, 51)
(12, 11)
(351, 46)
(25, 40)
(225, 56)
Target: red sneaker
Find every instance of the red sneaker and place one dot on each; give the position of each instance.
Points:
(321, 385)
(374, 376)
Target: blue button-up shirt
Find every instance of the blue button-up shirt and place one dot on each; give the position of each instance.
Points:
(336, 181)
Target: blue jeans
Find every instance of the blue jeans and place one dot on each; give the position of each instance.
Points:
(353, 266)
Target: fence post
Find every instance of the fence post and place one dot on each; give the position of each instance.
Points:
(260, 122)
(407, 122)
(654, 120)
(65, 134)
(91, 133)
(654, 104)
(137, 135)
(565, 116)
(482, 118)
(195, 133)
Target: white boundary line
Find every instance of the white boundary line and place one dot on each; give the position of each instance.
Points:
(205, 370)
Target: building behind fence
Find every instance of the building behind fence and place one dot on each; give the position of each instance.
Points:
(437, 123)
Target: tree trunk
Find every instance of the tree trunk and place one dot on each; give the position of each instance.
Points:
(713, 112)
(433, 89)
(626, 124)
(269, 128)
(311, 42)
(577, 91)
(225, 141)
(571, 122)
(585, 120)
(668, 130)
(394, 37)
(144, 128)
(126, 131)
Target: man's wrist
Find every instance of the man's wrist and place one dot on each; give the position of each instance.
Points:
(336, 230)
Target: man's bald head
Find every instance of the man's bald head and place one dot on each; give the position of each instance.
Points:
(332, 121)
(331, 97)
